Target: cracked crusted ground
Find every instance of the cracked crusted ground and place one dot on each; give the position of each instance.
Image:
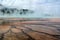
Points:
(31, 30)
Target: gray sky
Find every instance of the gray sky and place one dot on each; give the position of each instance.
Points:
(42, 7)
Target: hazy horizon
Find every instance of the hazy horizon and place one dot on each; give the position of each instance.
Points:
(41, 8)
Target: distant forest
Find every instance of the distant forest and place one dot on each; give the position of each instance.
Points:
(5, 10)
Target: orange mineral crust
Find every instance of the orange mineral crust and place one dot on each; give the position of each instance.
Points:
(30, 29)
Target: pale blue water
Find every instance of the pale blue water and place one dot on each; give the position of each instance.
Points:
(33, 15)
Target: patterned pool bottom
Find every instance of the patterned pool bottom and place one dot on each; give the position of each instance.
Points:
(30, 30)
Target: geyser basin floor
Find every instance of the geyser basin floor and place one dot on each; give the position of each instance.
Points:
(30, 29)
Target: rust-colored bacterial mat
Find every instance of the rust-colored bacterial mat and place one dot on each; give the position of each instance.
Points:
(29, 29)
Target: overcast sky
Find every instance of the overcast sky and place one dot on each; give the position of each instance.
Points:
(42, 7)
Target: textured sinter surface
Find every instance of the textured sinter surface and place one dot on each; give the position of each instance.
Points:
(30, 29)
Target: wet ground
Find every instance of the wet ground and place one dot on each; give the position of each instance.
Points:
(30, 29)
